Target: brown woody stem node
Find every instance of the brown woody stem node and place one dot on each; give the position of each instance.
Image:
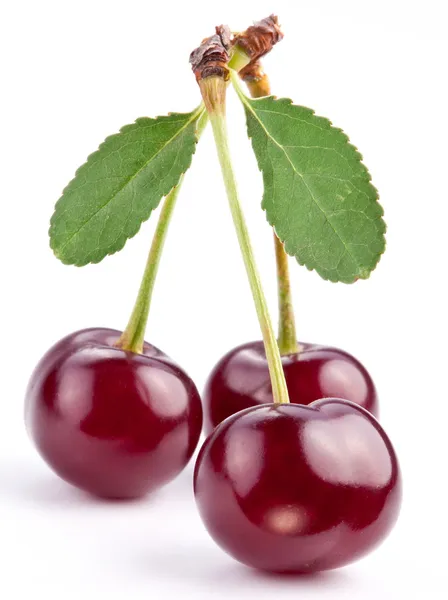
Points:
(211, 58)
(260, 38)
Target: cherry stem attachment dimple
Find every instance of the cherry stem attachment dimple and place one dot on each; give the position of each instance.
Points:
(287, 338)
(214, 91)
(133, 337)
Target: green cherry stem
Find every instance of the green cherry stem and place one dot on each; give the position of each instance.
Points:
(287, 337)
(214, 92)
(133, 337)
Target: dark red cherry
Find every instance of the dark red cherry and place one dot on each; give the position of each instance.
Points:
(241, 380)
(292, 488)
(114, 423)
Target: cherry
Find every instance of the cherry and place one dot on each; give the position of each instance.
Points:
(114, 423)
(292, 488)
(241, 380)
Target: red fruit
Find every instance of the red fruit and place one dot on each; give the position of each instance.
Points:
(294, 488)
(114, 423)
(241, 380)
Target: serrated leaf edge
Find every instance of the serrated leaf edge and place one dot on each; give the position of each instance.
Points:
(365, 273)
(195, 116)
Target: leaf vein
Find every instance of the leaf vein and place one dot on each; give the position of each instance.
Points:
(191, 120)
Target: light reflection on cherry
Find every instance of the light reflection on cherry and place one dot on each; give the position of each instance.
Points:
(294, 488)
(241, 380)
(114, 423)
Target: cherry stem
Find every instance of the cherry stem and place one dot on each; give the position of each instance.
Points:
(214, 92)
(239, 59)
(133, 337)
(287, 337)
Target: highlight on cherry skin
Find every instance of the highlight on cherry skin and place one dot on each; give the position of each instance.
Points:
(114, 423)
(241, 380)
(300, 489)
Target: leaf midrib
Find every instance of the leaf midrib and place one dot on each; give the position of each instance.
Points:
(194, 116)
(274, 141)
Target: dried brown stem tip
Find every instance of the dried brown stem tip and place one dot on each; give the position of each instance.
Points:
(260, 38)
(256, 80)
(212, 56)
(252, 72)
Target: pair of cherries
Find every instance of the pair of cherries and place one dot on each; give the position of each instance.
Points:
(294, 487)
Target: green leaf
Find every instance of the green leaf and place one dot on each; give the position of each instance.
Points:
(317, 192)
(119, 186)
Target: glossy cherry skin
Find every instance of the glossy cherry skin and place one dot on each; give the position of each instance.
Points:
(241, 380)
(111, 422)
(292, 488)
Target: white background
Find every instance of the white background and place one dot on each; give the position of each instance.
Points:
(75, 72)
